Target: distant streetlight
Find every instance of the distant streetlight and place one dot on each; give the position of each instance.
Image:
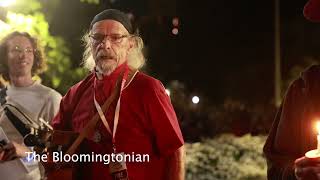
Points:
(175, 21)
(168, 92)
(6, 3)
(195, 99)
(175, 31)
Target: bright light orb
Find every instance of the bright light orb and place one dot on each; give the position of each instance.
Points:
(195, 99)
(175, 21)
(175, 31)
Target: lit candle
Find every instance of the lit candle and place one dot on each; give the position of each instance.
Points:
(316, 152)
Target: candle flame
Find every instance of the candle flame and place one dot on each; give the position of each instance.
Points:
(318, 126)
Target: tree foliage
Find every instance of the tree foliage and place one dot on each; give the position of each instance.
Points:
(91, 1)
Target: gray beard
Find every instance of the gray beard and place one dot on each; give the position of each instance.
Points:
(104, 69)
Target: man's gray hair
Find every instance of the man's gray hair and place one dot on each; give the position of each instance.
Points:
(135, 58)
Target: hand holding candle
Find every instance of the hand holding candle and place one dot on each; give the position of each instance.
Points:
(307, 167)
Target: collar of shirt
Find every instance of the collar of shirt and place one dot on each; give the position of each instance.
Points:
(107, 83)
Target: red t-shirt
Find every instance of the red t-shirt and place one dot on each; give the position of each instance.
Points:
(147, 124)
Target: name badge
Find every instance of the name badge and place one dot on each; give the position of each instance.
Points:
(118, 170)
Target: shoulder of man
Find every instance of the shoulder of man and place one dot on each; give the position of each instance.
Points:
(311, 74)
(147, 85)
(81, 86)
(145, 81)
(307, 78)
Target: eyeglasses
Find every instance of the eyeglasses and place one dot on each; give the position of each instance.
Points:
(18, 50)
(113, 38)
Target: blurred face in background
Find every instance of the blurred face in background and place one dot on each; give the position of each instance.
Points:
(20, 56)
(110, 44)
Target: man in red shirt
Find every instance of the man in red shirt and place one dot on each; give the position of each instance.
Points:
(141, 121)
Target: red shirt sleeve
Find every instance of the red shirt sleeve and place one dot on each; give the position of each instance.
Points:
(64, 114)
(163, 118)
(63, 119)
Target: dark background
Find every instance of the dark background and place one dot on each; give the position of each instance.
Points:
(224, 50)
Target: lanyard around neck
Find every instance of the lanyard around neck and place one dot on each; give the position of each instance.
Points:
(117, 111)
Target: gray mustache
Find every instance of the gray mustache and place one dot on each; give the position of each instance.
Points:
(105, 54)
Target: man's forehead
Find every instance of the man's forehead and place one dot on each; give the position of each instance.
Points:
(109, 26)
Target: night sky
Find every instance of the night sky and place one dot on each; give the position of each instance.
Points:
(223, 49)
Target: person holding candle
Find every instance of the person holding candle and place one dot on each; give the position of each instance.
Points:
(293, 133)
(292, 147)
